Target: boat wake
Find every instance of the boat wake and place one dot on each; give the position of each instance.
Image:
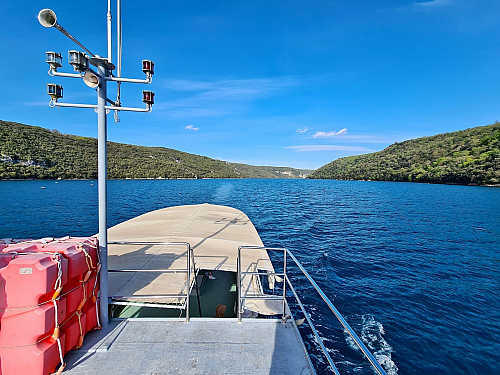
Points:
(223, 192)
(372, 336)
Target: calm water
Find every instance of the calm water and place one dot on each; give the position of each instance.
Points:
(414, 268)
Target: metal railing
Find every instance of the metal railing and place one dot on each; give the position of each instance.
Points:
(286, 281)
(182, 296)
(253, 273)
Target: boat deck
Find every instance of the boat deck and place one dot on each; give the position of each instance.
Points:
(201, 346)
(150, 340)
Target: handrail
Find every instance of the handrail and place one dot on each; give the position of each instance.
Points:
(141, 270)
(189, 255)
(148, 243)
(340, 318)
(313, 328)
(240, 272)
(148, 296)
(323, 296)
(195, 283)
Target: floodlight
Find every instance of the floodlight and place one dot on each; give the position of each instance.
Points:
(54, 91)
(148, 67)
(148, 97)
(54, 59)
(78, 60)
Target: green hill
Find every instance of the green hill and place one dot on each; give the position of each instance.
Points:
(470, 156)
(30, 152)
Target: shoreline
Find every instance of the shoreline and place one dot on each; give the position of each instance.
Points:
(247, 178)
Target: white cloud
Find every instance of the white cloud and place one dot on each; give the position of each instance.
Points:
(191, 127)
(239, 87)
(312, 148)
(192, 112)
(302, 130)
(231, 90)
(424, 5)
(220, 97)
(433, 3)
(330, 134)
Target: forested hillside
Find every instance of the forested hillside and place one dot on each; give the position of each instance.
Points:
(470, 156)
(30, 152)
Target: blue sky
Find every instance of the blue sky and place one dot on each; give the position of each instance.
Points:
(286, 83)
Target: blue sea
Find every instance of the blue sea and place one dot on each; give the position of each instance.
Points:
(414, 268)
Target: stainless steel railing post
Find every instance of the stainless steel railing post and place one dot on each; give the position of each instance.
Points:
(188, 281)
(284, 285)
(313, 328)
(196, 283)
(238, 284)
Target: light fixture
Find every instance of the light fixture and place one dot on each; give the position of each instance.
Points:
(54, 91)
(148, 97)
(148, 67)
(78, 60)
(54, 59)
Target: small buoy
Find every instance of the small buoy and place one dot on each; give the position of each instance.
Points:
(56, 182)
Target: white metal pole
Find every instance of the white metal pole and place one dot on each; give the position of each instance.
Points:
(119, 38)
(119, 48)
(103, 199)
(110, 45)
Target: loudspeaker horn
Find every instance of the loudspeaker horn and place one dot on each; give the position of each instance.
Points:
(91, 80)
(47, 18)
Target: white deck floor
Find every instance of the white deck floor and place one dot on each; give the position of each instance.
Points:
(202, 346)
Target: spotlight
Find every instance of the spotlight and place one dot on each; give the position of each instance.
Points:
(148, 67)
(78, 60)
(54, 59)
(54, 91)
(148, 97)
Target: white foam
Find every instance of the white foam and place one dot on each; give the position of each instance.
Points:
(372, 336)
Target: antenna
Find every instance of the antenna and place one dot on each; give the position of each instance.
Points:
(96, 79)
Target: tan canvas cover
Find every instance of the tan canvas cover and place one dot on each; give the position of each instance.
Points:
(214, 233)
